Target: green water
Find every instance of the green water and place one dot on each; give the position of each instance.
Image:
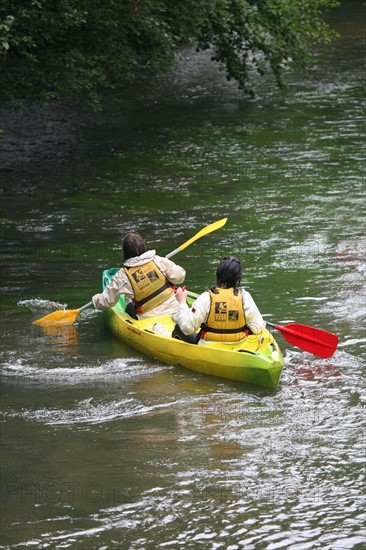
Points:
(103, 447)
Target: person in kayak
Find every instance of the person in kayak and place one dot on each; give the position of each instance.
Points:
(146, 280)
(225, 313)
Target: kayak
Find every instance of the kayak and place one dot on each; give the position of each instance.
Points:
(255, 360)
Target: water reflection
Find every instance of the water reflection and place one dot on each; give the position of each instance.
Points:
(63, 338)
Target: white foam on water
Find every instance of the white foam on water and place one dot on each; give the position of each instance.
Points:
(117, 369)
(90, 412)
(39, 304)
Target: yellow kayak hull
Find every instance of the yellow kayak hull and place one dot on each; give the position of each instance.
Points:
(255, 360)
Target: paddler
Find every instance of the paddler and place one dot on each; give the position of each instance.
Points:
(146, 279)
(225, 313)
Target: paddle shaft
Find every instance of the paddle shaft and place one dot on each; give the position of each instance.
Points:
(173, 253)
(89, 304)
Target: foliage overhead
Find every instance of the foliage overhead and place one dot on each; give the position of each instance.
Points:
(78, 48)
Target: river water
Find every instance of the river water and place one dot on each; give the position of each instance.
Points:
(105, 448)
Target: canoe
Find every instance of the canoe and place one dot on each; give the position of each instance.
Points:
(255, 360)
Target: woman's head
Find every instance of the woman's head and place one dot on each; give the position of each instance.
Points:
(133, 245)
(228, 272)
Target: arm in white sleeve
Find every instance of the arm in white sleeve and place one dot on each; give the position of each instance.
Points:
(253, 317)
(110, 295)
(173, 272)
(190, 320)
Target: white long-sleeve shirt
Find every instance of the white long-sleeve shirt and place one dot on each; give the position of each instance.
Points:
(120, 284)
(190, 320)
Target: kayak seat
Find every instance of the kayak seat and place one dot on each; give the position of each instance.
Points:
(131, 310)
(189, 338)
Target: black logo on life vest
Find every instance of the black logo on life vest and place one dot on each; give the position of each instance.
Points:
(220, 311)
(138, 276)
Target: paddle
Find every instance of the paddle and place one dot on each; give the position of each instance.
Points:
(315, 340)
(67, 317)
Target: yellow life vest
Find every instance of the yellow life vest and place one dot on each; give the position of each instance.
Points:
(226, 319)
(150, 287)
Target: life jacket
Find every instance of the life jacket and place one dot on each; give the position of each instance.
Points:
(226, 319)
(150, 287)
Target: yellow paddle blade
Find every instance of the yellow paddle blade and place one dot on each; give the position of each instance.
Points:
(60, 317)
(205, 231)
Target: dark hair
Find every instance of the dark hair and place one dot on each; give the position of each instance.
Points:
(133, 245)
(228, 272)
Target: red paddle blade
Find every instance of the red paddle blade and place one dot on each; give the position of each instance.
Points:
(316, 341)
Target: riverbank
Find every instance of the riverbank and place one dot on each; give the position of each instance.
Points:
(46, 135)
